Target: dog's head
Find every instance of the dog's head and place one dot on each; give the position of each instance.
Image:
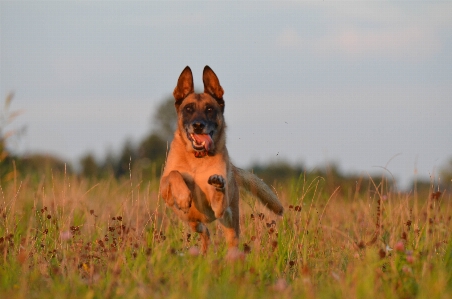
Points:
(200, 116)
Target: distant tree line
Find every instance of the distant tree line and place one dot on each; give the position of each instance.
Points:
(145, 159)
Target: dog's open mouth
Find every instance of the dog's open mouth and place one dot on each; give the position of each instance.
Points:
(202, 143)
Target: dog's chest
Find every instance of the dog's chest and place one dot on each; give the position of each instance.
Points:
(199, 173)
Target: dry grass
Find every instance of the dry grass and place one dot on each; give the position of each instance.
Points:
(67, 237)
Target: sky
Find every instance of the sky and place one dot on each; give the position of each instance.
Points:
(364, 85)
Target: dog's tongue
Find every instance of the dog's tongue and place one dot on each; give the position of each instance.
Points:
(200, 138)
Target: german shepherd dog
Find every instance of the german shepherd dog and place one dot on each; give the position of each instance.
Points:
(199, 182)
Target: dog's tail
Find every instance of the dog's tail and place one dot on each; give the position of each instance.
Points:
(258, 188)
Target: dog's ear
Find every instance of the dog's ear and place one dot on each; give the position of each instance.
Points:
(184, 85)
(212, 85)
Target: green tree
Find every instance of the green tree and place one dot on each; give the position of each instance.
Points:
(6, 118)
(164, 120)
(89, 166)
(128, 155)
(146, 159)
(446, 174)
(153, 148)
(277, 171)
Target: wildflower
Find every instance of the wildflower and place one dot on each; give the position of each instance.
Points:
(335, 276)
(408, 223)
(407, 270)
(194, 251)
(246, 248)
(399, 246)
(65, 235)
(410, 259)
(274, 244)
(361, 244)
(235, 255)
(280, 285)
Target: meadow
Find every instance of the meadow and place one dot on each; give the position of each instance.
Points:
(67, 236)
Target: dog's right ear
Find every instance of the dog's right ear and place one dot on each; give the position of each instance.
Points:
(184, 86)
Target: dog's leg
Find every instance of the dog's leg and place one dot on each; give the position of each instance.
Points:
(204, 232)
(230, 222)
(174, 190)
(231, 231)
(218, 200)
(231, 228)
(228, 213)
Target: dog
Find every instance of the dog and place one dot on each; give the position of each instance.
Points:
(199, 182)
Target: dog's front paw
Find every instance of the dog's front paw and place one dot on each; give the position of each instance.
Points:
(183, 199)
(217, 181)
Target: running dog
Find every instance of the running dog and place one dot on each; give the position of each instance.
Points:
(199, 182)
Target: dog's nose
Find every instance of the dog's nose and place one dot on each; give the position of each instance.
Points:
(198, 127)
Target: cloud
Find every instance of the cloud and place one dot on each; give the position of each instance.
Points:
(75, 70)
(370, 31)
(290, 39)
(402, 43)
(399, 43)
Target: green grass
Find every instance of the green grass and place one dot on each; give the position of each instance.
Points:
(68, 237)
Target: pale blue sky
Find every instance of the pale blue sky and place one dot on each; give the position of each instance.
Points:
(351, 82)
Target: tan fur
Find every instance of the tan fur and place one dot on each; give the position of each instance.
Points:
(200, 189)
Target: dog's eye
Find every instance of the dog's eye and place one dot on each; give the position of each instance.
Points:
(188, 109)
(209, 109)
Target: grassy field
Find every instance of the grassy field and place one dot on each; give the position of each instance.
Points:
(70, 237)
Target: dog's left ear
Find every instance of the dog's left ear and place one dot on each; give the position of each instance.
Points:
(184, 86)
(212, 85)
